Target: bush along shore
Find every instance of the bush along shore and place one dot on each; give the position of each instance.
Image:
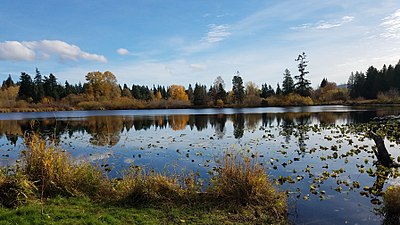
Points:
(47, 186)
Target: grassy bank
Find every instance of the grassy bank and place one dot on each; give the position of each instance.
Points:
(46, 176)
(82, 210)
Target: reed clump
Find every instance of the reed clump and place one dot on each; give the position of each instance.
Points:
(242, 181)
(54, 171)
(391, 205)
(138, 187)
(15, 189)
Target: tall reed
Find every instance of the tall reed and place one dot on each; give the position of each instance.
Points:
(54, 172)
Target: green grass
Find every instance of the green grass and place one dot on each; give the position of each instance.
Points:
(81, 210)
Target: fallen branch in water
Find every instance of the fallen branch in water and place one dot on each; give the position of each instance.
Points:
(381, 152)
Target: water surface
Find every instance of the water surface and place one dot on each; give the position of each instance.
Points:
(309, 151)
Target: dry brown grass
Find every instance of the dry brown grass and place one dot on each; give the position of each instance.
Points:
(54, 172)
(15, 189)
(241, 181)
(391, 205)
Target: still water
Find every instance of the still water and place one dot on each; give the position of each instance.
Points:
(308, 151)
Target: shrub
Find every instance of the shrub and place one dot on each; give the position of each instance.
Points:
(335, 95)
(21, 104)
(219, 103)
(178, 103)
(289, 100)
(391, 96)
(252, 100)
(90, 105)
(157, 104)
(119, 103)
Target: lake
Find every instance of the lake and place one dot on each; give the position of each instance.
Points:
(315, 153)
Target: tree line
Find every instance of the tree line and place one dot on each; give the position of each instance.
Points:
(373, 82)
(101, 90)
(103, 86)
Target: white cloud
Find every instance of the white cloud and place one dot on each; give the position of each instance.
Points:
(122, 51)
(31, 50)
(323, 25)
(217, 33)
(14, 50)
(391, 25)
(198, 66)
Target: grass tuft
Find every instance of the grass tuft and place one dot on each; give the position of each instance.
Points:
(55, 173)
(241, 181)
(15, 189)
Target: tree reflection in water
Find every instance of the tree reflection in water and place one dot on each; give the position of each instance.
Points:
(106, 130)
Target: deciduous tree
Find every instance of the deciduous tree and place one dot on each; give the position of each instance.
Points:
(102, 86)
(177, 92)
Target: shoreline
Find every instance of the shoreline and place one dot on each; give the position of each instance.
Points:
(70, 108)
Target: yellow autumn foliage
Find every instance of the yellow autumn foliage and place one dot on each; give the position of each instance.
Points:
(177, 92)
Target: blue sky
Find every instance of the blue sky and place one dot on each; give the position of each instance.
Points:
(181, 42)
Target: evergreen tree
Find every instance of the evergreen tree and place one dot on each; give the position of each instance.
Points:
(25, 87)
(217, 90)
(79, 89)
(278, 89)
(303, 85)
(356, 84)
(221, 93)
(324, 82)
(145, 92)
(200, 95)
(266, 91)
(38, 89)
(126, 92)
(371, 83)
(190, 93)
(69, 89)
(136, 92)
(51, 87)
(238, 88)
(288, 83)
(164, 92)
(8, 83)
(396, 76)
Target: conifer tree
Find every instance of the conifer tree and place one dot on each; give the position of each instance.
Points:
(303, 85)
(288, 83)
